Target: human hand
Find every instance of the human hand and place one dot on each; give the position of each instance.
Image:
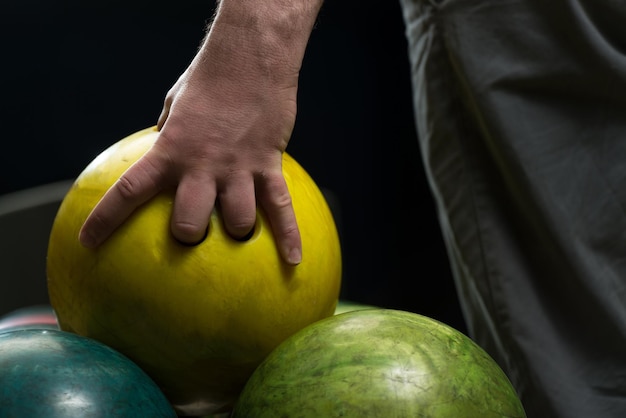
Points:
(222, 132)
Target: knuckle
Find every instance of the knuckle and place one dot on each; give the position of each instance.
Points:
(126, 187)
(277, 194)
(290, 229)
(281, 200)
(140, 181)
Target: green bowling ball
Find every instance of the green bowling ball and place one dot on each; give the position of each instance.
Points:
(372, 363)
(56, 374)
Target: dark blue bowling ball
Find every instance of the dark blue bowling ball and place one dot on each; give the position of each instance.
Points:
(35, 317)
(56, 374)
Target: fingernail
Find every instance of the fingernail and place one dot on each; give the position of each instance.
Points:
(295, 256)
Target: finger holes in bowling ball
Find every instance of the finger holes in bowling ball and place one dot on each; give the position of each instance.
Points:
(193, 244)
(246, 237)
(250, 235)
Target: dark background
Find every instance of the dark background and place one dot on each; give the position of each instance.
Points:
(78, 76)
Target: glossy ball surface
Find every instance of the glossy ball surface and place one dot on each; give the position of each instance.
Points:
(378, 363)
(56, 374)
(199, 319)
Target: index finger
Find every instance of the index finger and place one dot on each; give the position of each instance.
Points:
(139, 183)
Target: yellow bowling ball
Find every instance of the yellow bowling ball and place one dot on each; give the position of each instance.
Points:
(198, 319)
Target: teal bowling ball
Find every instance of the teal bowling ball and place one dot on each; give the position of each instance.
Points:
(29, 317)
(56, 374)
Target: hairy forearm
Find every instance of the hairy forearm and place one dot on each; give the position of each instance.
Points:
(274, 32)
